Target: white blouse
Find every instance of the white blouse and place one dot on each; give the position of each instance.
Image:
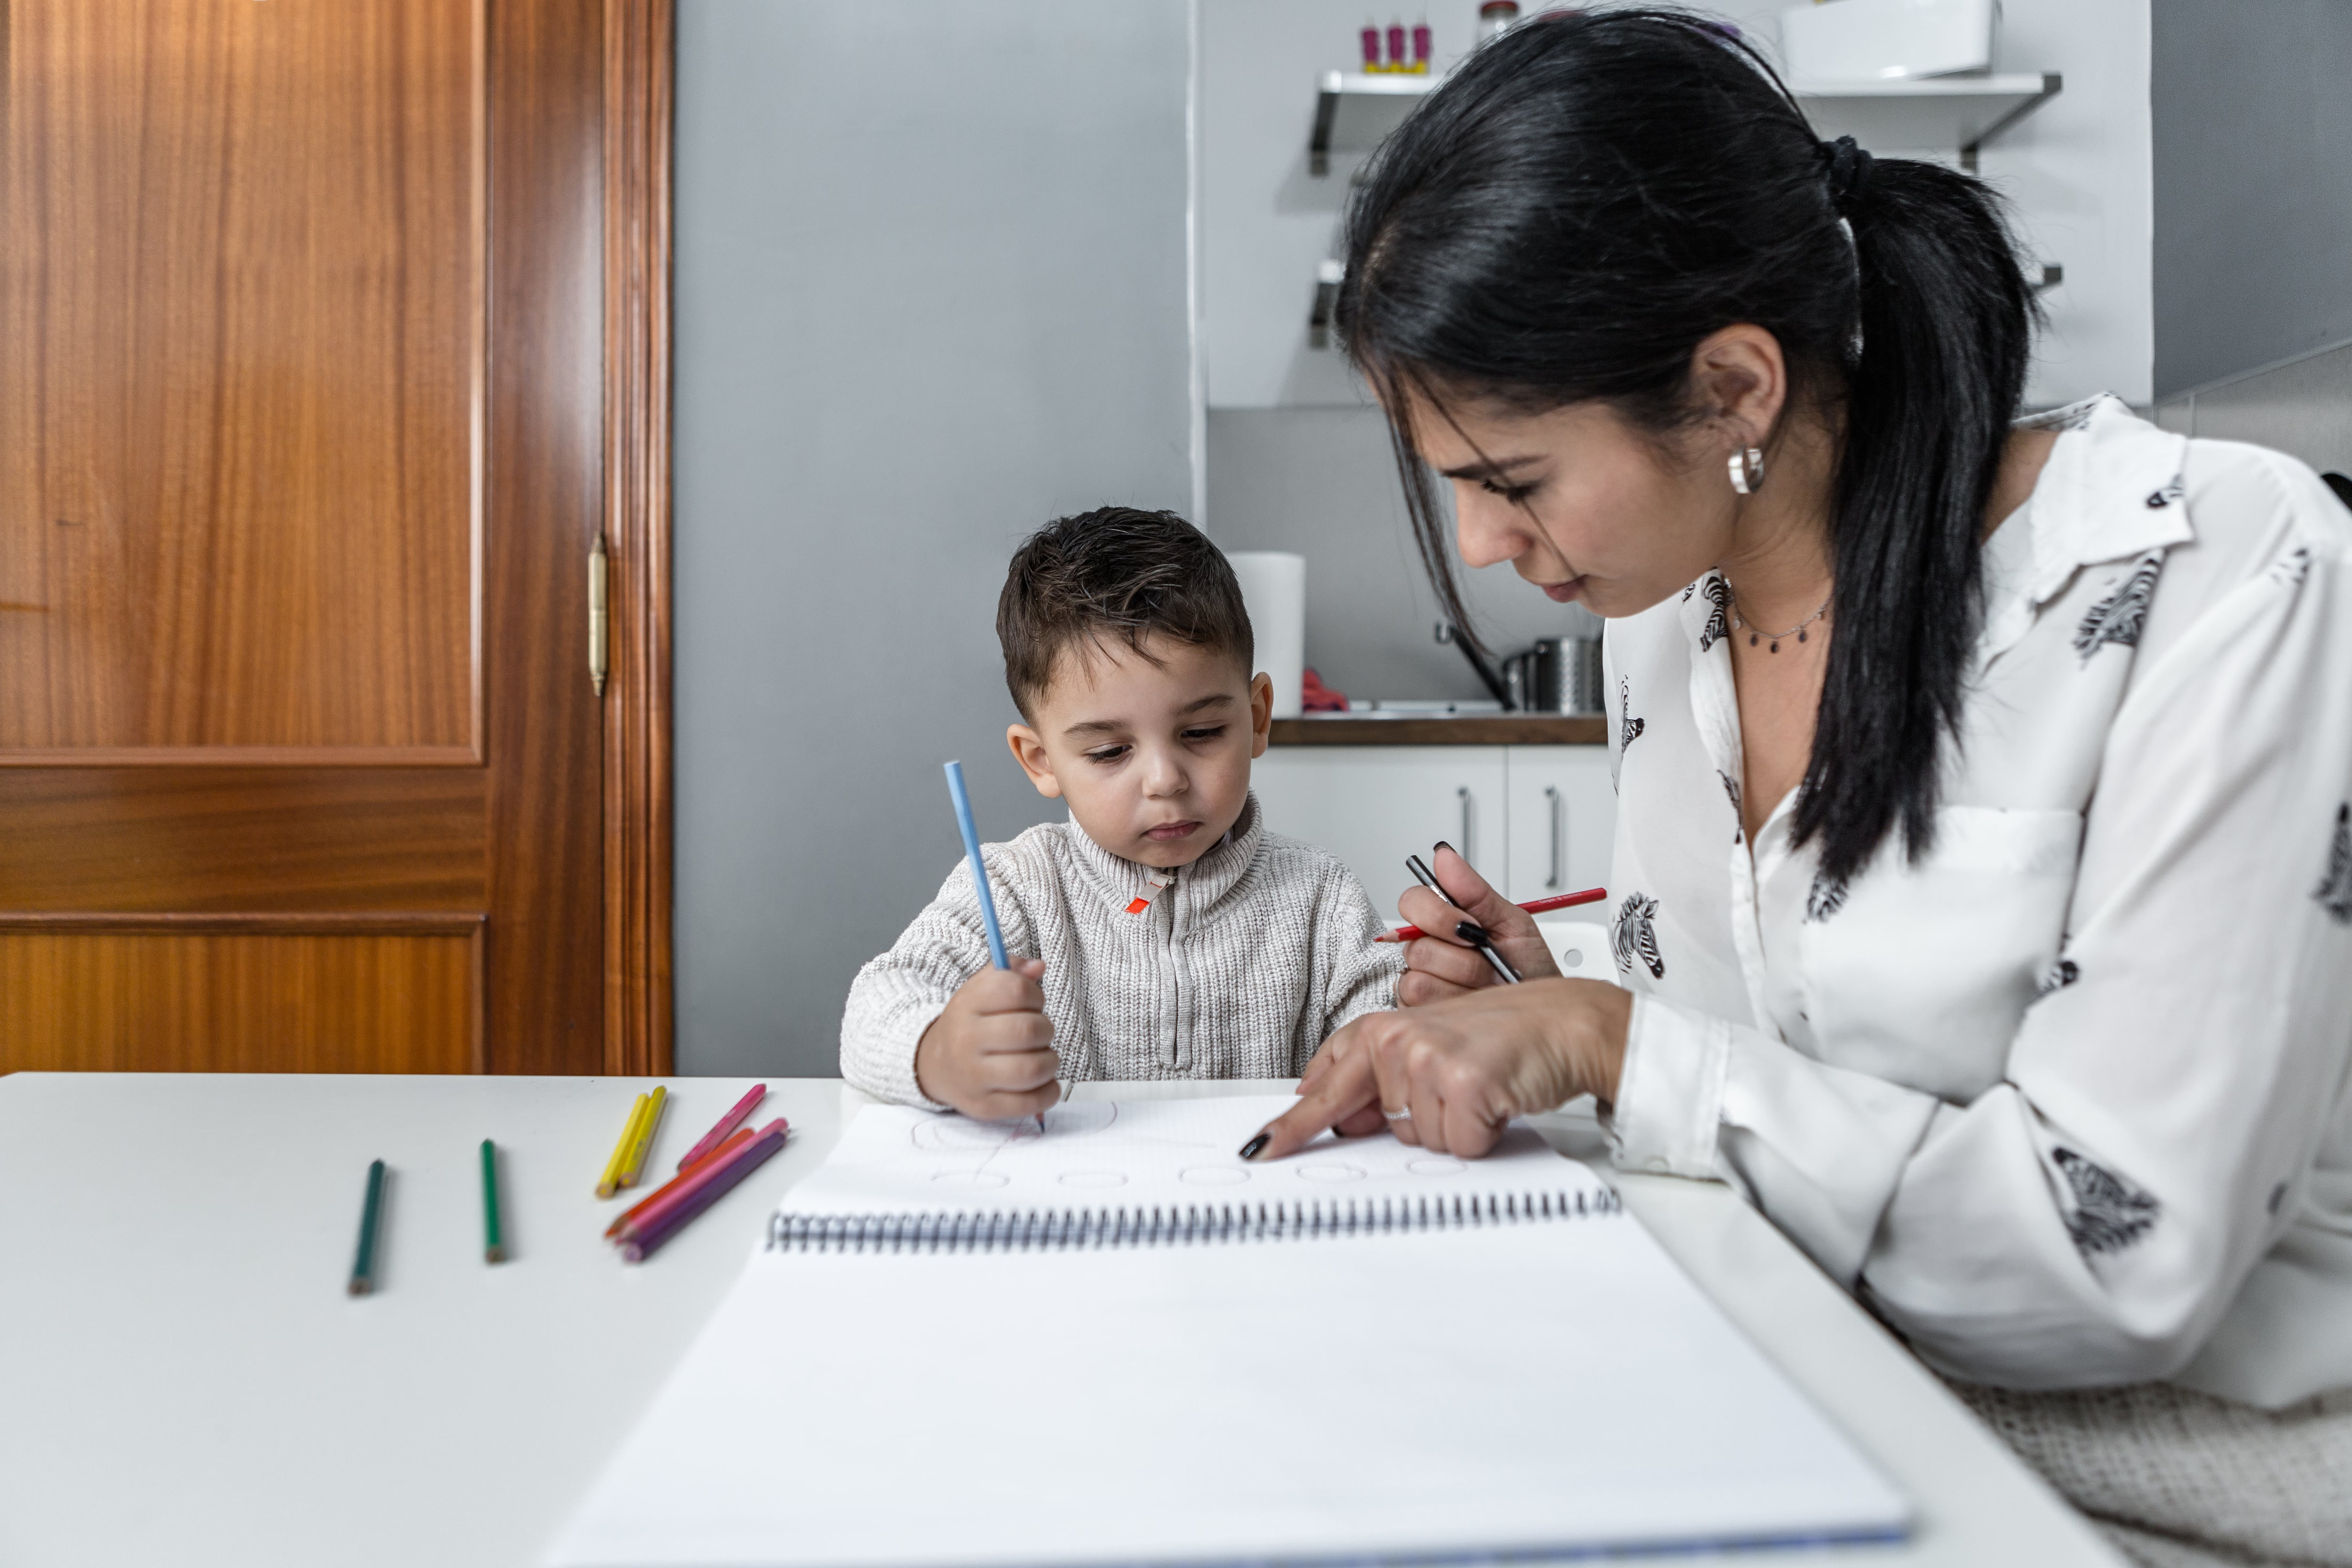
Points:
(2066, 1101)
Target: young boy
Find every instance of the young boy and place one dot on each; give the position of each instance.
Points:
(1162, 931)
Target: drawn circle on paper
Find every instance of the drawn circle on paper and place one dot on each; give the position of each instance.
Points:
(1092, 1179)
(1212, 1176)
(1331, 1172)
(971, 1179)
(1436, 1165)
(963, 1135)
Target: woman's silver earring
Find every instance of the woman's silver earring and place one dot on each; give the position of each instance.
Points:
(1747, 469)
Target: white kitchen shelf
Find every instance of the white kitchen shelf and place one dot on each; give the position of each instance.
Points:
(1931, 114)
(1353, 113)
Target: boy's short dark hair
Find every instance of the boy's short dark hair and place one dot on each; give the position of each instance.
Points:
(1116, 571)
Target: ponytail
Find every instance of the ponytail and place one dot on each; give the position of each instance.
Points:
(1593, 194)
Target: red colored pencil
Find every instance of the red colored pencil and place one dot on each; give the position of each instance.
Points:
(735, 1140)
(1533, 907)
(639, 1245)
(724, 1125)
(684, 1189)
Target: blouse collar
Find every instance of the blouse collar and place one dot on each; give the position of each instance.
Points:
(2111, 490)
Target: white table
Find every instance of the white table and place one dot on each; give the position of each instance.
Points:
(182, 1379)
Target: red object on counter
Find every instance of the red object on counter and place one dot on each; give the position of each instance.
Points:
(1314, 697)
(1372, 47)
(1398, 59)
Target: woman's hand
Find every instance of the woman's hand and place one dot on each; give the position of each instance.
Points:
(1441, 966)
(1448, 1074)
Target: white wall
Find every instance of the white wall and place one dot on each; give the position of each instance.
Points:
(2078, 170)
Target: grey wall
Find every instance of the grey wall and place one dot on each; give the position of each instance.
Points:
(1320, 481)
(2303, 408)
(2252, 135)
(930, 291)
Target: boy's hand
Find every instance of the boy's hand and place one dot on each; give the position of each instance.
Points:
(990, 1055)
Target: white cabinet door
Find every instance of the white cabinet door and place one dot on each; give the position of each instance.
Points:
(1563, 817)
(1373, 806)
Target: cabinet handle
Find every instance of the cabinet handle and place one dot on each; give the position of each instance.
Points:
(1462, 794)
(1551, 801)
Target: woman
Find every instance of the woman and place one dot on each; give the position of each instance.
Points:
(1983, 878)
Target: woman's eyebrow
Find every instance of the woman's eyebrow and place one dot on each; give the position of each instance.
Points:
(1490, 467)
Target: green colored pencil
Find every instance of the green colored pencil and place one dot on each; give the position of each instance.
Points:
(494, 1247)
(364, 1266)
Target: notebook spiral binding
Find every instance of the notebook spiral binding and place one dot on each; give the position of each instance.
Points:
(1058, 1229)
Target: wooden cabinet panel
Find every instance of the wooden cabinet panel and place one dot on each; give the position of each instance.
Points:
(241, 839)
(242, 381)
(235, 999)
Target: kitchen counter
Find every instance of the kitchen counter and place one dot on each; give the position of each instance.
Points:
(1459, 730)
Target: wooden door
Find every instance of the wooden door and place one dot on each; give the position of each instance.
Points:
(303, 402)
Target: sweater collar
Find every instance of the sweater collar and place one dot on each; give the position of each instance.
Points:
(1118, 881)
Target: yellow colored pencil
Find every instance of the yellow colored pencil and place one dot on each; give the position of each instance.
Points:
(610, 1182)
(643, 1144)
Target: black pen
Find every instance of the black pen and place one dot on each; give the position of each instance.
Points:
(1468, 930)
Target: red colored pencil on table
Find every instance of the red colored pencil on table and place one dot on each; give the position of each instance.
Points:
(718, 1176)
(724, 1125)
(718, 1172)
(1533, 907)
(734, 1141)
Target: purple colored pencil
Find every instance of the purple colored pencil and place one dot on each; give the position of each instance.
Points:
(643, 1244)
(725, 1125)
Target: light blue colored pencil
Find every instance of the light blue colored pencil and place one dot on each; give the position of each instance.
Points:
(978, 868)
(964, 825)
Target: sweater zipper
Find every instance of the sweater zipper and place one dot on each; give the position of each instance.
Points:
(1175, 979)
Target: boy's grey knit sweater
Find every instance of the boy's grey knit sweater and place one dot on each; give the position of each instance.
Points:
(1239, 968)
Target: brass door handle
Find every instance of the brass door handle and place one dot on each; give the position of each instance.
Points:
(599, 623)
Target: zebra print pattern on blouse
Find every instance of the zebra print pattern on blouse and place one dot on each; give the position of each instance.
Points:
(2118, 618)
(2110, 1214)
(1636, 937)
(2335, 890)
(1718, 614)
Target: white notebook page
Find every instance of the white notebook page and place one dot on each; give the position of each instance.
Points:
(1542, 1386)
(1171, 1154)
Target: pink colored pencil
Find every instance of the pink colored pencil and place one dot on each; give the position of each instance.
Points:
(734, 1141)
(725, 1124)
(638, 1245)
(683, 1190)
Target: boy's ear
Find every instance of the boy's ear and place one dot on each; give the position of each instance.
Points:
(1030, 752)
(1261, 712)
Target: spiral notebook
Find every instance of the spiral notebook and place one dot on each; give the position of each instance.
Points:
(970, 1345)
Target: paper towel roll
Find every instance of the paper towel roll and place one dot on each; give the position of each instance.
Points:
(1273, 591)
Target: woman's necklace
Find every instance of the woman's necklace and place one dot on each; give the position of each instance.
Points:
(1796, 631)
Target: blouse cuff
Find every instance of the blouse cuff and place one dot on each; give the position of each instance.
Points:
(1670, 1090)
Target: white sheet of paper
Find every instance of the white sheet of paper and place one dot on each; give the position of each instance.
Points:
(1553, 1386)
(1169, 1154)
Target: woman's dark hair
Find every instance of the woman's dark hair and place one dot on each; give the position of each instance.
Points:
(1594, 194)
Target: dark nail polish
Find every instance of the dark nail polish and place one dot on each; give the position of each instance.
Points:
(1443, 845)
(1471, 933)
(1339, 1132)
(1250, 1149)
